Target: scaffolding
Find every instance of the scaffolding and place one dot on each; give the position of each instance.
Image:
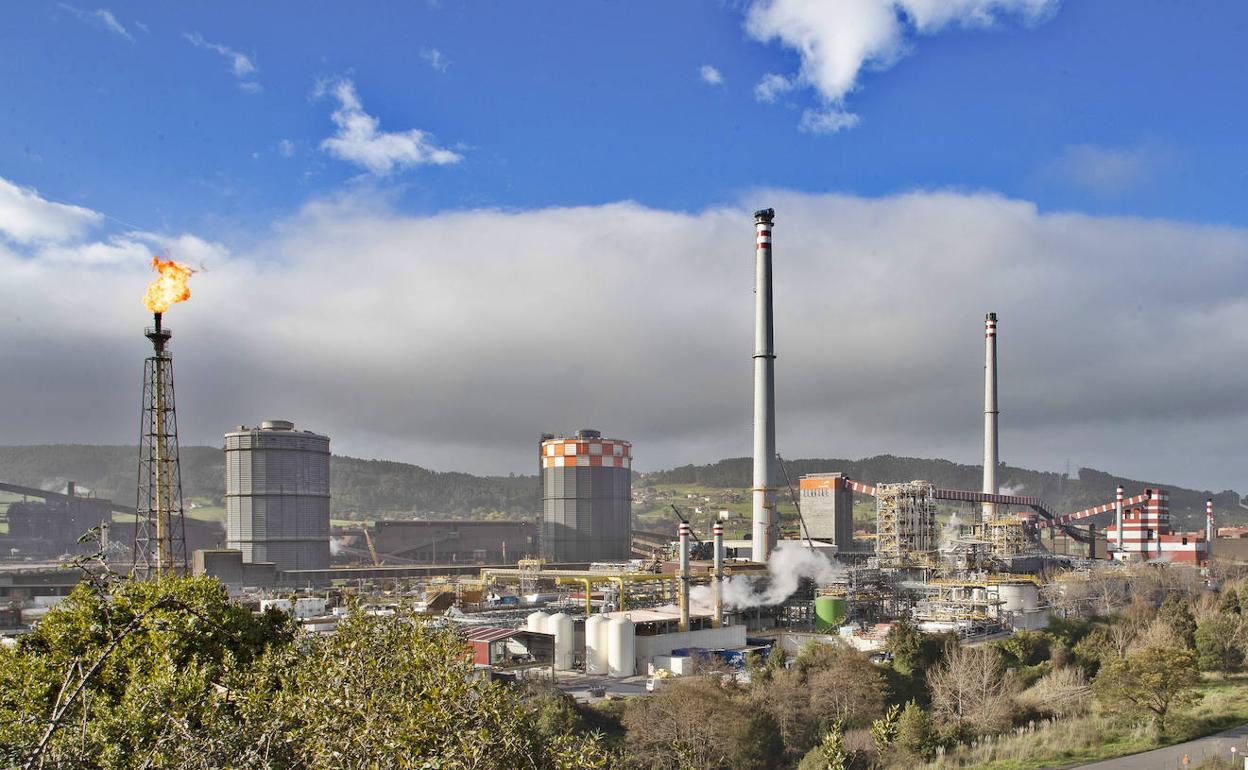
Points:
(1005, 535)
(905, 524)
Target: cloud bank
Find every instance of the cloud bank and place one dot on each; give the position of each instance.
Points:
(453, 340)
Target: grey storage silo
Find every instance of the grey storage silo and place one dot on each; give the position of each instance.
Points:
(277, 495)
(586, 498)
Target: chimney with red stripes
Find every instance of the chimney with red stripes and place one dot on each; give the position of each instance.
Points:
(1211, 532)
(765, 525)
(1118, 515)
(684, 576)
(990, 411)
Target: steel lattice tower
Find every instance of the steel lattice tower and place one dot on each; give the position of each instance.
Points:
(160, 529)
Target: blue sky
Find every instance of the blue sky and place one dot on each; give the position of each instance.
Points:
(585, 103)
(435, 230)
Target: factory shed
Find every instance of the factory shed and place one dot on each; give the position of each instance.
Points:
(509, 648)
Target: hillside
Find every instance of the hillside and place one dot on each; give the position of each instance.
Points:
(361, 488)
(368, 489)
(1090, 487)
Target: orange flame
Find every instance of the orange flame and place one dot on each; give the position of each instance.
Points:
(170, 287)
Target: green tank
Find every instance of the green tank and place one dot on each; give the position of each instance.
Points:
(829, 612)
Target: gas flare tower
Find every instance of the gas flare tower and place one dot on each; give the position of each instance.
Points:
(160, 529)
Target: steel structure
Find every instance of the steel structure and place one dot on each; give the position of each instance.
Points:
(905, 529)
(160, 526)
(586, 498)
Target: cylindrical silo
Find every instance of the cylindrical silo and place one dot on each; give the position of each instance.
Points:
(561, 625)
(621, 646)
(536, 622)
(586, 498)
(596, 661)
(277, 495)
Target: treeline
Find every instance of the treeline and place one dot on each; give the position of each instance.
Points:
(1090, 487)
(361, 488)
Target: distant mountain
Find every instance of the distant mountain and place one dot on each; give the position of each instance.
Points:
(361, 488)
(1064, 495)
(377, 488)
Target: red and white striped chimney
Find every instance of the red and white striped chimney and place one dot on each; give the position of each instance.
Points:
(684, 576)
(1118, 519)
(717, 540)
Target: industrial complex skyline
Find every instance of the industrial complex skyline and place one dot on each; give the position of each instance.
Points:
(433, 282)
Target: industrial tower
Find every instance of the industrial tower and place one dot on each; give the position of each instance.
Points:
(160, 530)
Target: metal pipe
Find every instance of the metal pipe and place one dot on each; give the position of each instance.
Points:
(990, 412)
(684, 576)
(764, 487)
(1118, 518)
(717, 539)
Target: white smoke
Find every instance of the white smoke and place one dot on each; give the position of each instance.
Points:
(789, 563)
(950, 532)
(335, 546)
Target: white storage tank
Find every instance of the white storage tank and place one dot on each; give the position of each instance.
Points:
(562, 627)
(1019, 597)
(596, 661)
(621, 657)
(536, 622)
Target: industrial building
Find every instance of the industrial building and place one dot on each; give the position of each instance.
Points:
(454, 541)
(586, 498)
(52, 527)
(277, 495)
(828, 509)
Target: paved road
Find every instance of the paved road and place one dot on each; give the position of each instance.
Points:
(1171, 757)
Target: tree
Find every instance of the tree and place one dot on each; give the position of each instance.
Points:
(915, 733)
(1025, 648)
(759, 747)
(905, 644)
(174, 674)
(690, 724)
(1177, 615)
(884, 729)
(972, 690)
(1152, 681)
(830, 754)
(843, 685)
(1217, 647)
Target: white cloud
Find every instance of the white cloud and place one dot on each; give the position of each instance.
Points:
(1109, 170)
(286, 148)
(826, 121)
(771, 86)
(243, 68)
(435, 59)
(710, 75)
(25, 217)
(393, 329)
(837, 40)
(103, 17)
(360, 140)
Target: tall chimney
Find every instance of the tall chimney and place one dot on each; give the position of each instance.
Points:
(717, 539)
(1118, 515)
(684, 576)
(990, 412)
(1211, 532)
(764, 492)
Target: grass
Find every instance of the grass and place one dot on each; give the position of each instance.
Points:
(1081, 739)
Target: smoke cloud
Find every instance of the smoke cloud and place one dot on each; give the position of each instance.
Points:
(789, 563)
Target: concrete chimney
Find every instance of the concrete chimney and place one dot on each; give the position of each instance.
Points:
(764, 490)
(1211, 532)
(990, 412)
(684, 576)
(1118, 519)
(717, 539)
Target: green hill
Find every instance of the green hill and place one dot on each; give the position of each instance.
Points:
(1090, 487)
(368, 489)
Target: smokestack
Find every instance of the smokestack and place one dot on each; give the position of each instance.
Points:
(684, 576)
(764, 492)
(1211, 532)
(1118, 514)
(990, 412)
(717, 538)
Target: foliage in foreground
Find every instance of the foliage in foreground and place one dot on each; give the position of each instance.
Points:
(176, 675)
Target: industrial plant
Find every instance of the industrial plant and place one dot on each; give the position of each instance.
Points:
(577, 593)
